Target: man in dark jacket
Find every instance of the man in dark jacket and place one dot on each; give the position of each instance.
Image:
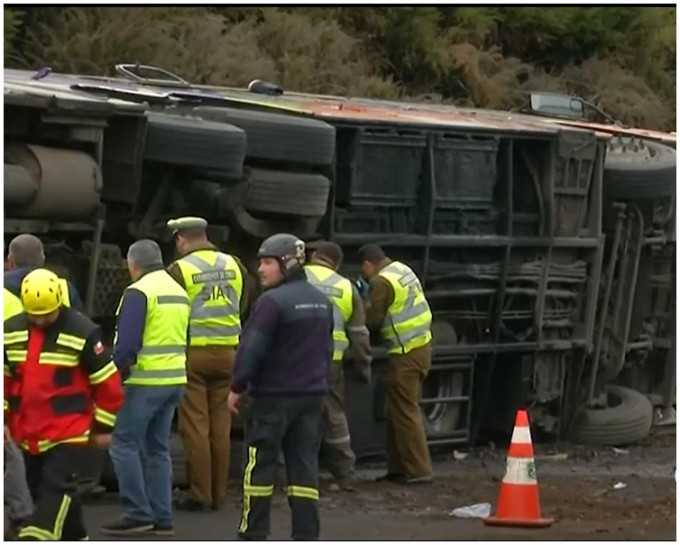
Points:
(26, 254)
(284, 361)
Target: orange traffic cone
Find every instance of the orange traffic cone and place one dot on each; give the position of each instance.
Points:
(518, 503)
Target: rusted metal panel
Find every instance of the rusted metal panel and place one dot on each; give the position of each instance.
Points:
(666, 137)
(90, 88)
(348, 109)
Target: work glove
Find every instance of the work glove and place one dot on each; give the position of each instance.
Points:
(363, 287)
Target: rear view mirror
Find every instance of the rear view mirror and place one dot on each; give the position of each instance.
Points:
(556, 104)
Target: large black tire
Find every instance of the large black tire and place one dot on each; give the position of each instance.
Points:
(639, 169)
(287, 193)
(443, 417)
(302, 227)
(195, 142)
(179, 464)
(626, 419)
(279, 138)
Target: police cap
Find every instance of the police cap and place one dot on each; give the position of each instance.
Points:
(188, 223)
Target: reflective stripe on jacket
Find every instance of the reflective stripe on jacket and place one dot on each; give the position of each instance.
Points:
(214, 283)
(162, 358)
(408, 319)
(57, 381)
(339, 291)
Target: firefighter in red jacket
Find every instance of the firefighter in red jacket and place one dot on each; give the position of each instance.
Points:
(62, 392)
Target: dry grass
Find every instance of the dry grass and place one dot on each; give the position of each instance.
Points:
(489, 78)
(617, 91)
(494, 81)
(312, 54)
(289, 49)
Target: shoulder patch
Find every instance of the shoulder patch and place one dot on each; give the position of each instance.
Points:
(99, 348)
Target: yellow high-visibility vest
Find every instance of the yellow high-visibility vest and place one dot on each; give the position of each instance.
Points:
(339, 290)
(408, 319)
(214, 284)
(162, 358)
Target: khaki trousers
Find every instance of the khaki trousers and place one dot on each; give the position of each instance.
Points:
(205, 422)
(336, 447)
(407, 450)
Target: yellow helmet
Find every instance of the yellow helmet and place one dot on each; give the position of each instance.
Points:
(41, 292)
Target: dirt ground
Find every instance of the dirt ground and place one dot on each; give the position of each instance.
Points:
(583, 508)
(576, 487)
(576, 484)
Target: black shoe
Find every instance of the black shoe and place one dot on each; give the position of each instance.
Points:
(162, 530)
(390, 478)
(190, 504)
(425, 479)
(126, 527)
(13, 528)
(246, 537)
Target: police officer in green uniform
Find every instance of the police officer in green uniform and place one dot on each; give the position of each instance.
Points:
(349, 331)
(216, 283)
(399, 312)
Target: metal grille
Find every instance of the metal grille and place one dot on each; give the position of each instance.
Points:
(112, 279)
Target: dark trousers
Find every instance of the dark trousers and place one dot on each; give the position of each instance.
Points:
(91, 474)
(205, 422)
(53, 481)
(292, 425)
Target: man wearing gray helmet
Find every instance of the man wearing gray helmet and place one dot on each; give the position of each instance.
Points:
(283, 362)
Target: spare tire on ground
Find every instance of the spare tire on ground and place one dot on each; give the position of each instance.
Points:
(287, 193)
(638, 169)
(626, 419)
(279, 138)
(195, 142)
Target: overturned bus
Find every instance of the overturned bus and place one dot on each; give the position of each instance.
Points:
(546, 246)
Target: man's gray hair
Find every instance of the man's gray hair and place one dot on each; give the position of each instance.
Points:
(27, 251)
(145, 254)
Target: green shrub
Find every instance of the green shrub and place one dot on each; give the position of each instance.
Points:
(623, 57)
